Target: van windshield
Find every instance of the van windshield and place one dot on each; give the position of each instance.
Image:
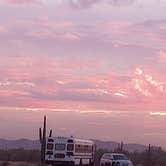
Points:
(120, 157)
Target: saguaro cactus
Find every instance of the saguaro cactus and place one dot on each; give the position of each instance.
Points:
(149, 156)
(42, 137)
(121, 146)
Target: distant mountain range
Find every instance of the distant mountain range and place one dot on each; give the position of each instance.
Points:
(109, 145)
(35, 144)
(20, 143)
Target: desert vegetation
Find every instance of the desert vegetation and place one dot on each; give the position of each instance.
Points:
(21, 157)
(11, 163)
(151, 157)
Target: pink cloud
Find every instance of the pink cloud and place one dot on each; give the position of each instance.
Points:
(42, 34)
(147, 80)
(84, 4)
(44, 22)
(48, 34)
(79, 4)
(110, 88)
(162, 56)
(120, 27)
(71, 36)
(19, 2)
(46, 29)
(3, 29)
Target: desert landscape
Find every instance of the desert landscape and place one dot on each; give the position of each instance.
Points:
(95, 70)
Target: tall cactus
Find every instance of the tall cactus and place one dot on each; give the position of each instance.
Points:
(42, 137)
(149, 155)
(121, 146)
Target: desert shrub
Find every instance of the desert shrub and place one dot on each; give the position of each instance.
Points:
(4, 163)
(156, 158)
(20, 155)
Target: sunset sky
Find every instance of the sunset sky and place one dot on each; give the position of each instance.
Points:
(96, 68)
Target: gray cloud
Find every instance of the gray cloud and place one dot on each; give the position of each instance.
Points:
(83, 4)
(120, 2)
(152, 23)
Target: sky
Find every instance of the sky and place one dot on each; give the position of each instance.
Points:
(96, 68)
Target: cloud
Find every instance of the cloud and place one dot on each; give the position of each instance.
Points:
(21, 2)
(162, 56)
(146, 84)
(43, 28)
(71, 36)
(3, 29)
(75, 4)
(9, 83)
(158, 113)
(110, 89)
(84, 4)
(154, 30)
(153, 23)
(46, 23)
(121, 2)
(49, 78)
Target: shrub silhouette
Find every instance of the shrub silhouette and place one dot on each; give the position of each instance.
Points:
(33, 156)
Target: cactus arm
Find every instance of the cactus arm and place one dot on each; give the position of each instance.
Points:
(40, 135)
(50, 135)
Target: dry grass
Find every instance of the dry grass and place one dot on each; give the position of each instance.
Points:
(22, 164)
(17, 164)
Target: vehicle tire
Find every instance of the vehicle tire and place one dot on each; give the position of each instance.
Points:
(113, 164)
(80, 162)
(109, 164)
(118, 164)
(71, 164)
(91, 163)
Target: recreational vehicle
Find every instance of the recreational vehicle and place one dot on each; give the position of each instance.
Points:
(69, 151)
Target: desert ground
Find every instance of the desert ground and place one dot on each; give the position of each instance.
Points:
(17, 164)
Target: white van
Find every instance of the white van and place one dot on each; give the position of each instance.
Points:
(115, 159)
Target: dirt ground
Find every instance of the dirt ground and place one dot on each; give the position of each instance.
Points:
(17, 164)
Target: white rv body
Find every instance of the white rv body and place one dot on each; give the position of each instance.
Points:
(69, 151)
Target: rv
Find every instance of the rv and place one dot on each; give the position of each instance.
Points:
(69, 151)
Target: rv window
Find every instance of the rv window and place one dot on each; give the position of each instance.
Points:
(60, 146)
(49, 153)
(70, 141)
(50, 146)
(50, 140)
(70, 147)
(83, 148)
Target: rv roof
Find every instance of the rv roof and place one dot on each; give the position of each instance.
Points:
(74, 139)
